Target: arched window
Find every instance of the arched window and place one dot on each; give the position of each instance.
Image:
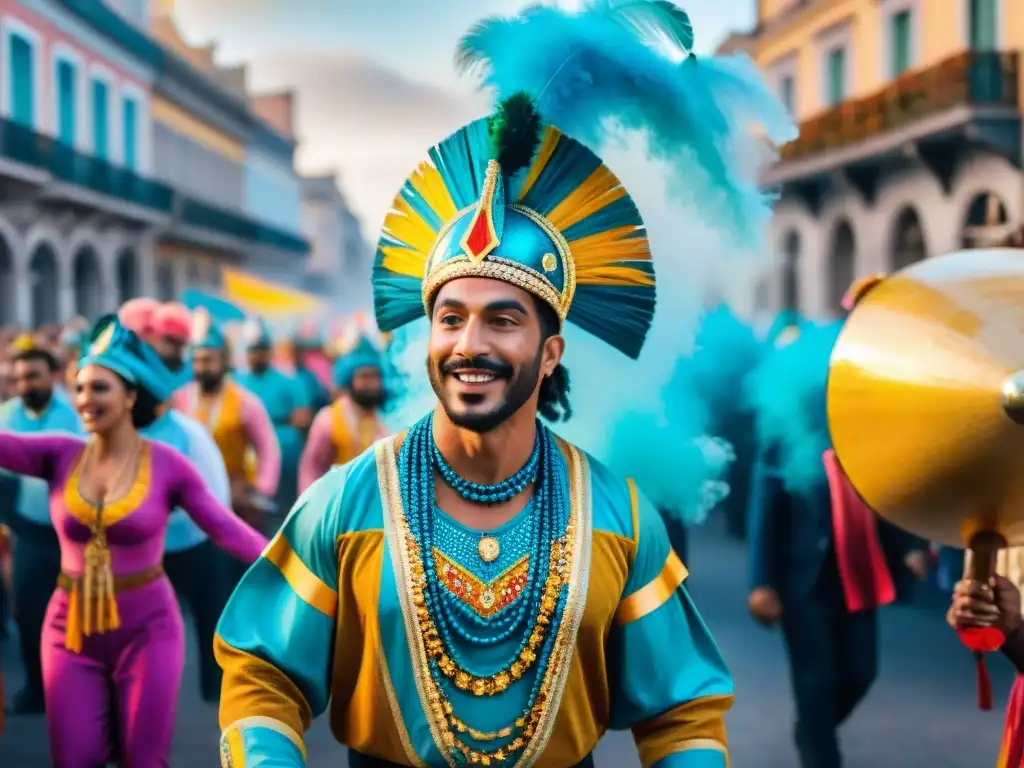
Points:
(43, 283)
(908, 246)
(791, 271)
(88, 282)
(841, 264)
(987, 222)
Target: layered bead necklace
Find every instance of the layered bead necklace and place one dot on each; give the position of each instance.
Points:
(537, 614)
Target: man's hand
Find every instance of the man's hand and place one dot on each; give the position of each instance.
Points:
(765, 606)
(917, 563)
(976, 604)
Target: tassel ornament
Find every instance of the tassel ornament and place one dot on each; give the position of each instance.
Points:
(92, 608)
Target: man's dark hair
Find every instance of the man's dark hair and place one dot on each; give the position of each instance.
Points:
(553, 398)
(36, 355)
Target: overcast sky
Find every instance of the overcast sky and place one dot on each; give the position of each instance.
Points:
(375, 78)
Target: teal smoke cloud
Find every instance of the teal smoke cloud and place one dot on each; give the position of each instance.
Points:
(787, 394)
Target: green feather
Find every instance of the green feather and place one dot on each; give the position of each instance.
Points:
(514, 132)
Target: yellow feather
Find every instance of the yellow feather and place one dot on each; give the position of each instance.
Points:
(612, 275)
(403, 261)
(600, 189)
(408, 227)
(428, 182)
(614, 246)
(547, 149)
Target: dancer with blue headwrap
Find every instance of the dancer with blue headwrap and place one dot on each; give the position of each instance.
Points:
(344, 429)
(477, 590)
(818, 556)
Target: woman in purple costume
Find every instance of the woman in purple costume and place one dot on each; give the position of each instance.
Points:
(113, 623)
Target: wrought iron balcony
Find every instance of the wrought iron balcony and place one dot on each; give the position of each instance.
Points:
(96, 175)
(971, 79)
(206, 216)
(60, 163)
(20, 144)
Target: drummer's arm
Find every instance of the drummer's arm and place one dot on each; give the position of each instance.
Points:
(1013, 649)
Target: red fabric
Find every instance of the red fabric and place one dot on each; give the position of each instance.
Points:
(984, 682)
(865, 576)
(1012, 753)
(173, 320)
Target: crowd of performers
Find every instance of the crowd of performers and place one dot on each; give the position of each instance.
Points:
(468, 587)
(103, 505)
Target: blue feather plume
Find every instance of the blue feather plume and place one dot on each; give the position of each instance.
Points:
(592, 73)
(787, 394)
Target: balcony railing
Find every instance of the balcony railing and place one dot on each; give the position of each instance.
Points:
(23, 145)
(973, 78)
(206, 216)
(99, 176)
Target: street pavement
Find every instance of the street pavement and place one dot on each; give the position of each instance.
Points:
(921, 711)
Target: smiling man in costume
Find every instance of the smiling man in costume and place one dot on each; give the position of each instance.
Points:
(475, 590)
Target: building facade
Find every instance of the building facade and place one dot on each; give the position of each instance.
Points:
(910, 135)
(213, 143)
(340, 259)
(123, 164)
(78, 212)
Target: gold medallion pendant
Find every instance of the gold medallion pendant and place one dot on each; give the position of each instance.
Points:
(488, 548)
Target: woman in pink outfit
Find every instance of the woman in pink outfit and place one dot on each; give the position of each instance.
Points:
(113, 625)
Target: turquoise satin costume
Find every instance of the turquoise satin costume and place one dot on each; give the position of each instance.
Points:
(339, 610)
(281, 395)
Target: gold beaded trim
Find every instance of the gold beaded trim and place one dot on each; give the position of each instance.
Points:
(536, 725)
(495, 268)
(581, 505)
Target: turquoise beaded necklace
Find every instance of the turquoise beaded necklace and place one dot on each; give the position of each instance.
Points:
(499, 492)
(417, 462)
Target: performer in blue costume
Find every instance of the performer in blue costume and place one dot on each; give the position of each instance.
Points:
(475, 590)
(36, 408)
(308, 342)
(818, 557)
(285, 400)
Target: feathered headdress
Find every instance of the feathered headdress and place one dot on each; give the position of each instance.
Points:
(513, 198)
(205, 332)
(114, 346)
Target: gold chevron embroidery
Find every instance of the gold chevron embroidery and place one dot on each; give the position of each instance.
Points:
(485, 598)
